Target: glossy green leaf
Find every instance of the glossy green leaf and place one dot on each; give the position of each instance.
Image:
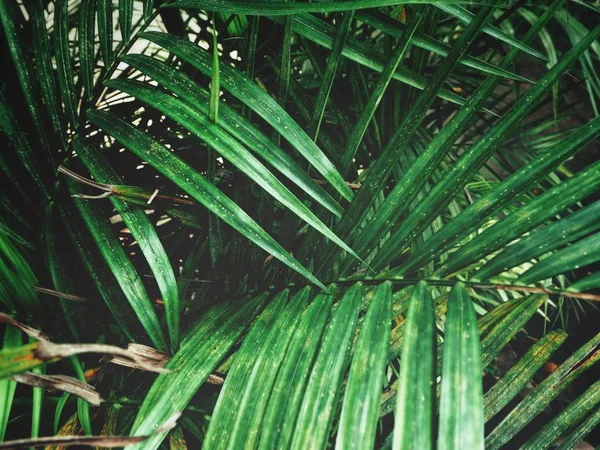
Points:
(62, 282)
(43, 60)
(120, 265)
(279, 422)
(9, 127)
(501, 195)
(519, 375)
(103, 278)
(85, 32)
(228, 147)
(320, 32)
(532, 405)
(333, 63)
(209, 342)
(415, 411)
(273, 8)
(381, 168)
(12, 338)
(259, 101)
(224, 420)
(105, 30)
(285, 72)
(194, 184)
(148, 6)
(379, 90)
(253, 397)
(18, 277)
(586, 283)
(359, 417)
(421, 40)
(64, 62)
(533, 213)
(580, 254)
(144, 233)
(10, 23)
(215, 81)
(466, 17)
(506, 327)
(266, 371)
(235, 124)
(125, 18)
(404, 192)
(461, 400)
(325, 383)
(478, 154)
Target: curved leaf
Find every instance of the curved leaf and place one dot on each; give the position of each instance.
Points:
(122, 268)
(235, 124)
(259, 101)
(144, 233)
(209, 342)
(194, 184)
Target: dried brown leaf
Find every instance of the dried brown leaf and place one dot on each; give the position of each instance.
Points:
(31, 332)
(60, 383)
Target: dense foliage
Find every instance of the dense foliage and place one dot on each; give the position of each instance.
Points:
(309, 223)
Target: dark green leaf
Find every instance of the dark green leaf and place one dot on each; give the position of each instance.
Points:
(10, 24)
(323, 34)
(415, 411)
(87, 15)
(209, 342)
(461, 401)
(379, 90)
(259, 101)
(478, 154)
(130, 282)
(466, 17)
(333, 63)
(358, 420)
(500, 196)
(105, 30)
(228, 147)
(533, 213)
(144, 233)
(235, 124)
(273, 8)
(64, 61)
(579, 362)
(194, 184)
(125, 18)
(43, 59)
(325, 382)
(279, 422)
(579, 254)
(421, 40)
(581, 432)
